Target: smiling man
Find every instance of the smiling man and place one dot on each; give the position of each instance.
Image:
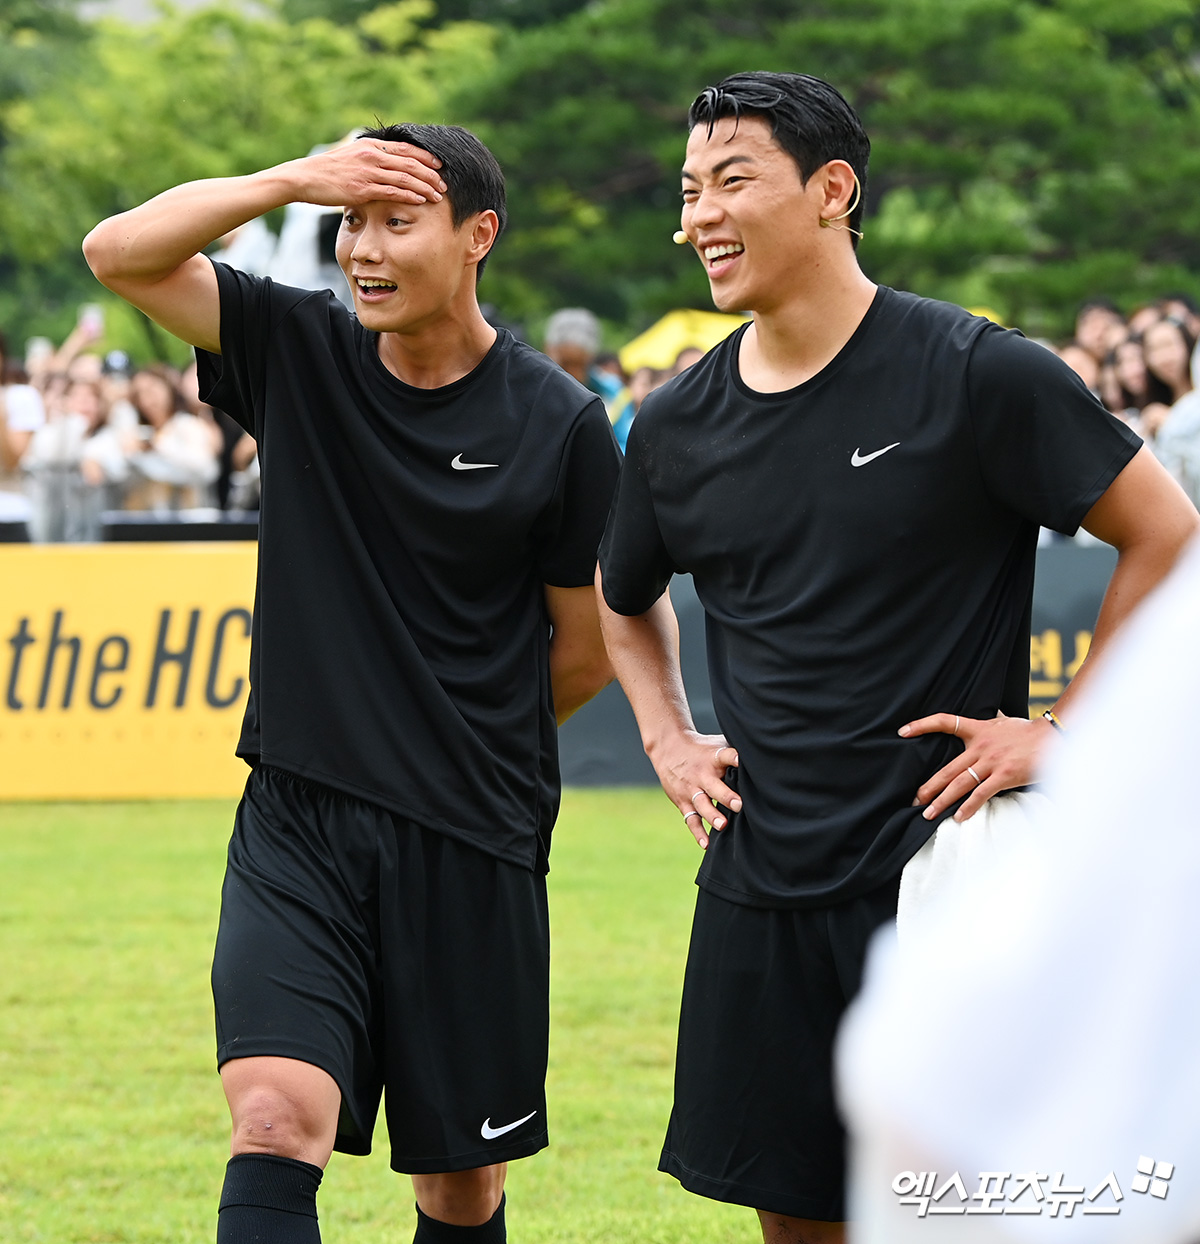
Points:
(433, 495)
(855, 481)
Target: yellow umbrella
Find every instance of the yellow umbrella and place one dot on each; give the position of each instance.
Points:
(660, 344)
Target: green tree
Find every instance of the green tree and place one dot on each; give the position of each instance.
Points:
(1025, 155)
(208, 93)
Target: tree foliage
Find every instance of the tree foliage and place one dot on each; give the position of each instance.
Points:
(207, 93)
(1025, 155)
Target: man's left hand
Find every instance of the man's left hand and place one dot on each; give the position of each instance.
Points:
(999, 755)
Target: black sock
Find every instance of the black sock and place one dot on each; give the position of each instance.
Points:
(431, 1231)
(269, 1200)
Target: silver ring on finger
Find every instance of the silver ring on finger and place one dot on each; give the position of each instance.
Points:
(956, 719)
(975, 775)
(689, 815)
(699, 795)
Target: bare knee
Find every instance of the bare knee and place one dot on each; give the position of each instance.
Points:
(779, 1229)
(462, 1198)
(285, 1111)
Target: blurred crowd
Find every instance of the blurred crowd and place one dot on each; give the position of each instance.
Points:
(1145, 368)
(83, 433)
(572, 340)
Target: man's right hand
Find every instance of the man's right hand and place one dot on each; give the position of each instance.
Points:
(691, 768)
(151, 256)
(366, 170)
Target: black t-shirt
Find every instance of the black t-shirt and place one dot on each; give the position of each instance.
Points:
(863, 546)
(400, 638)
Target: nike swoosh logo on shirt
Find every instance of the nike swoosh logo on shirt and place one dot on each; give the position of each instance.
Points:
(857, 458)
(488, 1132)
(459, 465)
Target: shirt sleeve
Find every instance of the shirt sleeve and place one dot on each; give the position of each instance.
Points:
(1047, 447)
(252, 308)
(634, 562)
(569, 529)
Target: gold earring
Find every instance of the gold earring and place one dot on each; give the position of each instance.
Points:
(827, 222)
(679, 237)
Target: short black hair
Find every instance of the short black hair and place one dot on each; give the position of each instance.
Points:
(474, 181)
(809, 119)
(1098, 303)
(1179, 296)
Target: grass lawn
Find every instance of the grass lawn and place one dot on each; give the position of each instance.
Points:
(113, 1129)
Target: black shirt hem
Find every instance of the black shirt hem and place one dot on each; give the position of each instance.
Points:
(416, 814)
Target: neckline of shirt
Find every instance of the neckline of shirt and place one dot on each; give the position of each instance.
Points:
(378, 371)
(835, 364)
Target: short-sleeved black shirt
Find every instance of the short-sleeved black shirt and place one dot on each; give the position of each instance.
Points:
(401, 637)
(864, 547)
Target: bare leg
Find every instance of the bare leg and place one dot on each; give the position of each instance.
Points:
(462, 1198)
(779, 1229)
(283, 1107)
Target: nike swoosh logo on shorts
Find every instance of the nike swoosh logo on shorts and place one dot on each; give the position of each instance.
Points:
(459, 465)
(488, 1132)
(857, 458)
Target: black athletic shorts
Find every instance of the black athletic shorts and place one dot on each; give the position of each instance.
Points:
(392, 957)
(755, 1121)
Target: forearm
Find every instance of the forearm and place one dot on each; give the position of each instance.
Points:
(1140, 568)
(149, 242)
(644, 651)
(575, 679)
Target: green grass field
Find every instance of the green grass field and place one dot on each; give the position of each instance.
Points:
(113, 1128)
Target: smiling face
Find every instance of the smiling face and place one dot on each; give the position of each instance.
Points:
(407, 264)
(1167, 354)
(746, 211)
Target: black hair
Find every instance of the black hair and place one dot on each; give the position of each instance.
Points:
(1179, 296)
(1157, 389)
(809, 119)
(1099, 303)
(474, 182)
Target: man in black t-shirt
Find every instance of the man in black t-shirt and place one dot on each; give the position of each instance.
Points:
(855, 482)
(433, 493)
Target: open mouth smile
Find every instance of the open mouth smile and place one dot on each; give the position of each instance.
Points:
(721, 257)
(373, 289)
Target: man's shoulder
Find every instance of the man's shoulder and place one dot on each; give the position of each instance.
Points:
(928, 316)
(255, 295)
(533, 378)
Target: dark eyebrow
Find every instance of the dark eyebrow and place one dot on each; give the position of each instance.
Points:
(721, 166)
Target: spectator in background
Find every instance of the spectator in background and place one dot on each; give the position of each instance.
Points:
(572, 340)
(62, 466)
(642, 383)
(1182, 307)
(1170, 348)
(1083, 363)
(1167, 346)
(22, 412)
(611, 363)
(1129, 368)
(1098, 327)
(684, 359)
(176, 452)
(1141, 319)
(237, 479)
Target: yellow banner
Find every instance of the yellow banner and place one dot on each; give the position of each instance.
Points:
(124, 669)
